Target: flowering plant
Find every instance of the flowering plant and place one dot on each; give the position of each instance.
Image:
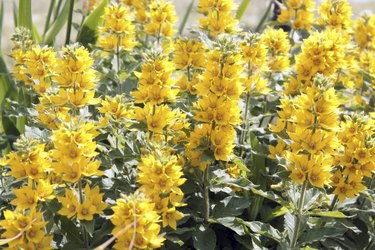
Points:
(219, 137)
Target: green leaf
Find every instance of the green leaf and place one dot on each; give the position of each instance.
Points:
(59, 23)
(316, 234)
(259, 161)
(264, 229)
(271, 196)
(330, 214)
(70, 229)
(275, 212)
(204, 238)
(24, 14)
(242, 8)
(89, 226)
(186, 17)
(230, 206)
(88, 32)
(232, 223)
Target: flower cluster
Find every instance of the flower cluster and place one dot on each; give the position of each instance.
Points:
(277, 42)
(118, 29)
(356, 159)
(299, 13)
(160, 177)
(29, 162)
(189, 57)
(336, 14)
(137, 211)
(219, 91)
(218, 17)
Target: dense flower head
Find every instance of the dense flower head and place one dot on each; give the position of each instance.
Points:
(74, 151)
(365, 32)
(162, 19)
(356, 157)
(160, 176)
(118, 29)
(310, 120)
(30, 160)
(299, 13)
(156, 85)
(217, 107)
(323, 52)
(115, 109)
(189, 53)
(136, 209)
(277, 42)
(31, 227)
(85, 209)
(76, 77)
(336, 14)
(218, 17)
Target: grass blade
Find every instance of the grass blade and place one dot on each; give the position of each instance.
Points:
(242, 8)
(15, 14)
(70, 19)
(49, 14)
(57, 25)
(186, 17)
(24, 14)
(264, 18)
(1, 22)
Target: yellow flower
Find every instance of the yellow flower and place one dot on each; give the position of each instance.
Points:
(170, 217)
(26, 198)
(69, 203)
(86, 210)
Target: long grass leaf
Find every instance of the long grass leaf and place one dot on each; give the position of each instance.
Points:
(242, 8)
(186, 17)
(55, 28)
(15, 14)
(1, 22)
(24, 14)
(49, 15)
(265, 16)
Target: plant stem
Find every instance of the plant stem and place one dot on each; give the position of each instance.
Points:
(118, 64)
(206, 198)
(244, 132)
(369, 187)
(57, 10)
(297, 223)
(69, 25)
(84, 233)
(333, 204)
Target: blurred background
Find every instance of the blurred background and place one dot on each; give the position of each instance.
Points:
(250, 19)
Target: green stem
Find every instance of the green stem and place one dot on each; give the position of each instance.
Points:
(69, 25)
(84, 232)
(50, 9)
(333, 204)
(369, 187)
(118, 64)
(57, 10)
(264, 18)
(297, 223)
(244, 132)
(206, 198)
